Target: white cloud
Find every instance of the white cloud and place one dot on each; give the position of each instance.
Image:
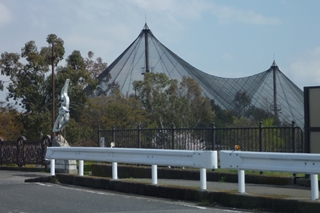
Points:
(5, 15)
(306, 71)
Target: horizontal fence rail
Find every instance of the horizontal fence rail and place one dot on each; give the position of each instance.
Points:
(270, 161)
(23, 151)
(263, 139)
(181, 158)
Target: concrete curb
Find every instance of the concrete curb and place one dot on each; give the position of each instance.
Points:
(212, 198)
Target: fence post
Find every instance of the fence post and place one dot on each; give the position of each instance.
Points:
(213, 134)
(139, 135)
(293, 136)
(260, 135)
(113, 134)
(172, 128)
(20, 151)
(98, 135)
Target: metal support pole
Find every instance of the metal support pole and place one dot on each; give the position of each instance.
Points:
(81, 167)
(52, 167)
(203, 178)
(314, 186)
(53, 134)
(154, 174)
(241, 181)
(114, 170)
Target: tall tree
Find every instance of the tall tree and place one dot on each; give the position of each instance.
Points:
(80, 76)
(95, 66)
(200, 106)
(154, 92)
(169, 102)
(28, 87)
(10, 126)
(242, 102)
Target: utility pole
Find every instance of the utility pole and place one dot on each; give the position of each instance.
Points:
(53, 57)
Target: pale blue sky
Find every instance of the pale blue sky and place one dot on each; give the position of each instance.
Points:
(229, 38)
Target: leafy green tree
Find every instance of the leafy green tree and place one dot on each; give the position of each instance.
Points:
(200, 107)
(80, 77)
(115, 110)
(95, 66)
(242, 102)
(169, 102)
(272, 140)
(10, 127)
(257, 114)
(155, 93)
(223, 118)
(29, 86)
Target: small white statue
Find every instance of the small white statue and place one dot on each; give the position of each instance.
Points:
(64, 115)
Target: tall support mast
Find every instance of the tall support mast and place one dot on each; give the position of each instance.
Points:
(146, 32)
(274, 67)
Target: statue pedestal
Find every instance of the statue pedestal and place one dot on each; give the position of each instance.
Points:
(63, 166)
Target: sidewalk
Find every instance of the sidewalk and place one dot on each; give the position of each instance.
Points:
(293, 192)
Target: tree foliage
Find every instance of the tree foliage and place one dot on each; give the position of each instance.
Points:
(10, 127)
(80, 77)
(30, 87)
(95, 66)
(115, 110)
(169, 102)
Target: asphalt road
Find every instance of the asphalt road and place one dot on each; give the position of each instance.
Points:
(16, 196)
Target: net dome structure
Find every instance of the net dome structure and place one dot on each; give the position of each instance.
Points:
(270, 89)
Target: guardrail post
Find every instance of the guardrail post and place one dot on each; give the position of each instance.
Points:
(52, 167)
(81, 167)
(114, 170)
(314, 186)
(293, 137)
(172, 129)
(154, 174)
(241, 181)
(203, 179)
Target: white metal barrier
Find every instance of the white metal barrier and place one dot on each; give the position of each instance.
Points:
(181, 158)
(270, 161)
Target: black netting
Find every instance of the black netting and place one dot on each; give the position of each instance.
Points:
(131, 65)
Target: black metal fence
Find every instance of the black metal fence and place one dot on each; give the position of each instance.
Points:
(23, 151)
(264, 139)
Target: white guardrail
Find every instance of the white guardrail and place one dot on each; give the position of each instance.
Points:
(270, 161)
(181, 158)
